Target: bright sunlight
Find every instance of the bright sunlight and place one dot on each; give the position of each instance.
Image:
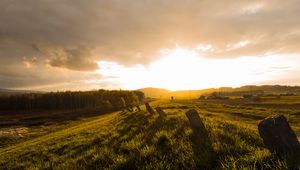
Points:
(180, 69)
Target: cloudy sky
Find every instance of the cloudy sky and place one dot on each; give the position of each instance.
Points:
(129, 44)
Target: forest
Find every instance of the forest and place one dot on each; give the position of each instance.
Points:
(105, 100)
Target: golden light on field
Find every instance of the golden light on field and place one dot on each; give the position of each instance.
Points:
(181, 69)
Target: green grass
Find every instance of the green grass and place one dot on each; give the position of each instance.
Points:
(124, 140)
(283, 100)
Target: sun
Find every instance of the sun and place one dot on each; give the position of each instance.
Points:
(186, 69)
(176, 70)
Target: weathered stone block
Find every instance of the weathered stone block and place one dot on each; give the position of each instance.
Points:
(278, 136)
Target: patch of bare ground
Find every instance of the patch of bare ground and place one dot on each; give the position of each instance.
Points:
(13, 132)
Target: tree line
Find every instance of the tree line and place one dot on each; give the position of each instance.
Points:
(104, 100)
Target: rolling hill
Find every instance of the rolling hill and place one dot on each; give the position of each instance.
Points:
(189, 94)
(14, 92)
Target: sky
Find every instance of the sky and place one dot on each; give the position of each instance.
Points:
(129, 44)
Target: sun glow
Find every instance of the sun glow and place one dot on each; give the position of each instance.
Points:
(180, 69)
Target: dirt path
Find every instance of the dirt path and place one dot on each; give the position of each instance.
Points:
(13, 132)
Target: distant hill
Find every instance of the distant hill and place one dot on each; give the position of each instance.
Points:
(9, 92)
(267, 89)
(155, 92)
(163, 93)
(271, 89)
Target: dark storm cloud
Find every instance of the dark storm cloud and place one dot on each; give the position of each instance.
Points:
(75, 34)
(36, 48)
(14, 76)
(73, 59)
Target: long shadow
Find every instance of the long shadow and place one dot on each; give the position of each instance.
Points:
(134, 124)
(128, 127)
(160, 124)
(203, 150)
(140, 123)
(201, 143)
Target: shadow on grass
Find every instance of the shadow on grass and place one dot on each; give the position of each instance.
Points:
(138, 140)
(162, 134)
(202, 147)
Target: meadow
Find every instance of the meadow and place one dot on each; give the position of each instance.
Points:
(138, 140)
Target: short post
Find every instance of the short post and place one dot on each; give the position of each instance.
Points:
(278, 136)
(149, 109)
(138, 107)
(196, 124)
(161, 112)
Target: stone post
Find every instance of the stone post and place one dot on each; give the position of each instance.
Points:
(278, 136)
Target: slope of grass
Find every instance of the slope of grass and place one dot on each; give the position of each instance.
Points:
(124, 140)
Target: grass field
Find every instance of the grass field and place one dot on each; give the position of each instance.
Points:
(136, 140)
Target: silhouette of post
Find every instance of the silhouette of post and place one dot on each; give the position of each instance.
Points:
(196, 124)
(278, 136)
(149, 109)
(160, 111)
(138, 107)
